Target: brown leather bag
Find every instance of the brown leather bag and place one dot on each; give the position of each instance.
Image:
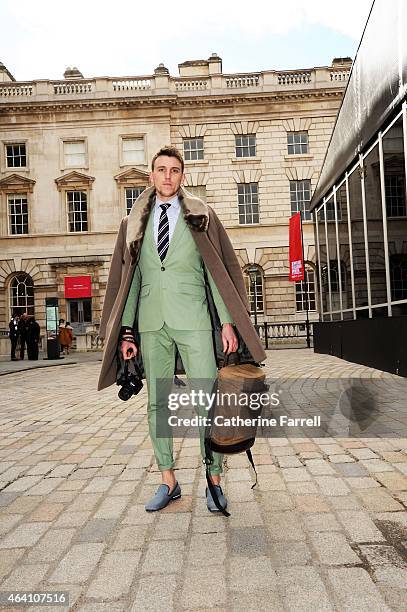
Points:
(228, 431)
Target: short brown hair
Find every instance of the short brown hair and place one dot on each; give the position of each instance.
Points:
(169, 151)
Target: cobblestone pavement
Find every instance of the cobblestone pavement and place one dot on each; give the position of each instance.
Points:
(326, 528)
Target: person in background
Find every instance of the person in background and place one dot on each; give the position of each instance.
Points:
(22, 333)
(68, 337)
(13, 334)
(33, 337)
(61, 332)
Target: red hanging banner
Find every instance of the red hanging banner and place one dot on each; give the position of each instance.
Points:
(78, 286)
(295, 249)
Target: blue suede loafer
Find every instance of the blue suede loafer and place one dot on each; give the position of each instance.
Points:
(222, 499)
(163, 497)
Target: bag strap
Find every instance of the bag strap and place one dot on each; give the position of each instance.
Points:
(208, 461)
(250, 458)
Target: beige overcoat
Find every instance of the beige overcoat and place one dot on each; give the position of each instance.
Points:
(216, 251)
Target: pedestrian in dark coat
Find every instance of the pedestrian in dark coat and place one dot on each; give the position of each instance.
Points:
(13, 335)
(22, 333)
(33, 337)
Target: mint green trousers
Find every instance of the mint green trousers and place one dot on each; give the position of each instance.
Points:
(158, 349)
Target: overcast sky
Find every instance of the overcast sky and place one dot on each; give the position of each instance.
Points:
(40, 38)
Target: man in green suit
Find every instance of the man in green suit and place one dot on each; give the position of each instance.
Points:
(172, 314)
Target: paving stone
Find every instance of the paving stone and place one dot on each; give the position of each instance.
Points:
(285, 526)
(163, 557)
(272, 482)
(45, 486)
(7, 498)
(319, 467)
(248, 575)
(393, 481)
(378, 500)
(96, 530)
(77, 565)
(377, 465)
(245, 514)
(46, 512)
(351, 469)
(340, 459)
(72, 519)
(259, 600)
(208, 524)
(123, 488)
(9, 558)
(295, 474)
(101, 607)
(303, 590)
(333, 549)
(364, 453)
(249, 542)
(238, 475)
(359, 526)
(277, 502)
(302, 488)
(23, 484)
(85, 501)
(289, 461)
(7, 522)
(362, 483)
(207, 546)
(24, 536)
(112, 507)
(289, 554)
(130, 538)
(51, 546)
(321, 522)
(155, 595)
(382, 555)
(171, 526)
(331, 486)
(204, 588)
(392, 576)
(345, 502)
(365, 597)
(311, 503)
(115, 575)
(25, 577)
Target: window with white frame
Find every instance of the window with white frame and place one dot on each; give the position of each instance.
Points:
(16, 155)
(297, 143)
(254, 286)
(21, 294)
(395, 190)
(305, 291)
(132, 193)
(193, 149)
(18, 213)
(74, 154)
(245, 145)
(198, 190)
(77, 209)
(300, 196)
(133, 151)
(248, 202)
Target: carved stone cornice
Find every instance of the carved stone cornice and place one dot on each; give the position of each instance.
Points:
(173, 100)
(74, 179)
(16, 181)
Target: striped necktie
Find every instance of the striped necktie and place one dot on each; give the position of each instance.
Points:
(163, 238)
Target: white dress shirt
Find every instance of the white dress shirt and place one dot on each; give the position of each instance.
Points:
(172, 213)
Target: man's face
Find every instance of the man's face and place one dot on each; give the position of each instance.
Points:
(167, 176)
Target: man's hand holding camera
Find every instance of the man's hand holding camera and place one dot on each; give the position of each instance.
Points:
(128, 346)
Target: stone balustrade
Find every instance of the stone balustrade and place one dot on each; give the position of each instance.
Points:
(218, 84)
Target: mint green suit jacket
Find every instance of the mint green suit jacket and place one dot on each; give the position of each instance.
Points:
(172, 291)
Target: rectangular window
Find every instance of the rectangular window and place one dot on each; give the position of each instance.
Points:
(75, 154)
(16, 155)
(297, 143)
(300, 195)
(133, 151)
(395, 195)
(132, 193)
(77, 205)
(305, 289)
(246, 145)
(199, 191)
(193, 149)
(18, 213)
(248, 201)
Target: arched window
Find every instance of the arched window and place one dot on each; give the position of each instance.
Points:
(21, 294)
(398, 277)
(254, 286)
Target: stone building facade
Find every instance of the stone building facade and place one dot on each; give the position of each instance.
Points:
(75, 153)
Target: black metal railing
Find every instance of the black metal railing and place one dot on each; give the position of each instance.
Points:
(285, 333)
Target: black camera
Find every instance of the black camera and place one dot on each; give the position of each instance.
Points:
(129, 380)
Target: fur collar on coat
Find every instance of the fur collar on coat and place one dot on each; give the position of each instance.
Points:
(195, 213)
